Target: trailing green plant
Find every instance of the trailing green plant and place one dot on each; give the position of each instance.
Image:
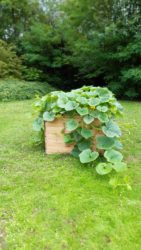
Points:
(91, 113)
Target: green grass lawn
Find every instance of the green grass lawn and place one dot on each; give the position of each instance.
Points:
(55, 203)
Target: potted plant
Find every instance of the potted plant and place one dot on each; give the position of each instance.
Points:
(82, 122)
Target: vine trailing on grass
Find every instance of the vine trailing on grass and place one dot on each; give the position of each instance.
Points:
(90, 126)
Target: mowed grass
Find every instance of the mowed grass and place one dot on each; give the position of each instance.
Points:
(54, 202)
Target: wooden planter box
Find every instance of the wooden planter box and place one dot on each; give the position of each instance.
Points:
(54, 140)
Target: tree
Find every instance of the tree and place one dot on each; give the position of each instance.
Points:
(17, 16)
(106, 44)
(10, 64)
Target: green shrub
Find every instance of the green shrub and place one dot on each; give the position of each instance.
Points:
(31, 74)
(10, 64)
(13, 89)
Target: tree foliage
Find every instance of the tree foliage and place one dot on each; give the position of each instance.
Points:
(10, 64)
(16, 16)
(78, 41)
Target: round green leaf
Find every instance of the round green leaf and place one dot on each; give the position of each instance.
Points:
(113, 156)
(111, 129)
(82, 111)
(87, 156)
(81, 100)
(102, 117)
(62, 101)
(94, 101)
(71, 105)
(48, 116)
(102, 108)
(71, 125)
(94, 113)
(56, 109)
(75, 152)
(104, 168)
(103, 92)
(76, 136)
(104, 142)
(120, 166)
(104, 98)
(88, 119)
(118, 145)
(86, 133)
(84, 145)
(37, 124)
(68, 138)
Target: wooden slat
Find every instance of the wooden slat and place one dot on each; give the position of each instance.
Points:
(54, 141)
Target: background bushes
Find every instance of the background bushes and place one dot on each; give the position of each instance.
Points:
(13, 89)
(74, 42)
